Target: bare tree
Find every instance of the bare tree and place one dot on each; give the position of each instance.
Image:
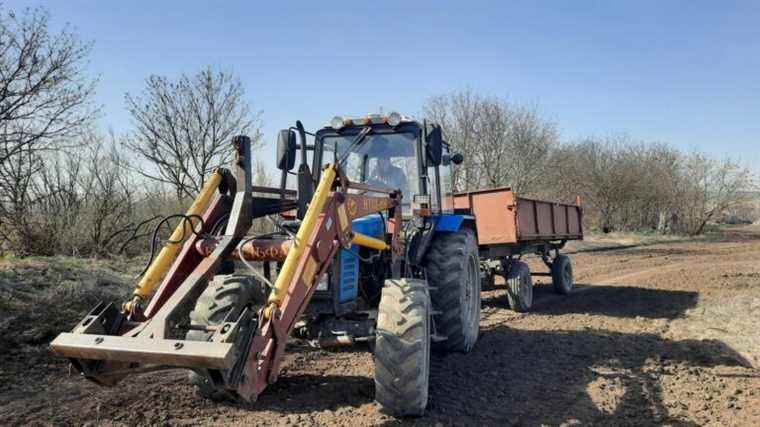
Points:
(456, 113)
(711, 187)
(530, 141)
(183, 128)
(491, 152)
(44, 93)
(502, 143)
(595, 169)
(45, 101)
(80, 202)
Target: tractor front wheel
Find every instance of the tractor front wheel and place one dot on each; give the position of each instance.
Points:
(402, 347)
(225, 294)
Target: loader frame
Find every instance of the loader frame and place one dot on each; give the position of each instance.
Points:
(244, 353)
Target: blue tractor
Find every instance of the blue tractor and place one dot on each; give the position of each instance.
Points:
(429, 296)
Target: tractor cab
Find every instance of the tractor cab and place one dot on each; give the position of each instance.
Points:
(389, 151)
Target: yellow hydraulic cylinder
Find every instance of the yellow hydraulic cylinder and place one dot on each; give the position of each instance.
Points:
(316, 207)
(370, 242)
(165, 258)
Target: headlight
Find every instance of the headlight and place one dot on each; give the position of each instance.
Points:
(337, 122)
(322, 284)
(394, 118)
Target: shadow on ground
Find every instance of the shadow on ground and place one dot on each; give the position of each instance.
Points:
(533, 377)
(297, 393)
(539, 377)
(528, 378)
(606, 300)
(536, 377)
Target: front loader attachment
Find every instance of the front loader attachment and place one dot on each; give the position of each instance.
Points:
(243, 353)
(190, 354)
(110, 342)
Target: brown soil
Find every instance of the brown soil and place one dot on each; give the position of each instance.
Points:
(659, 334)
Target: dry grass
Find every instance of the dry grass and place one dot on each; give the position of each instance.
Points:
(40, 297)
(620, 240)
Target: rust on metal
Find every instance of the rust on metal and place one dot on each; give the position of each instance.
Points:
(370, 188)
(144, 350)
(358, 206)
(330, 232)
(252, 250)
(503, 218)
(188, 258)
(264, 250)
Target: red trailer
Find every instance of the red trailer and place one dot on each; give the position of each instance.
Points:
(509, 227)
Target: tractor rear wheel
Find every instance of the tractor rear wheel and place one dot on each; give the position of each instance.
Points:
(402, 347)
(453, 271)
(519, 287)
(225, 294)
(562, 275)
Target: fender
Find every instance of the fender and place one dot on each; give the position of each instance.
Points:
(452, 222)
(442, 223)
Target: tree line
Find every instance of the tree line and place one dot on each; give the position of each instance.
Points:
(625, 184)
(67, 187)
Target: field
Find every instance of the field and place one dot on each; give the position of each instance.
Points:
(658, 332)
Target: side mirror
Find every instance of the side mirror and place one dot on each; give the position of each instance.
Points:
(286, 149)
(434, 144)
(457, 158)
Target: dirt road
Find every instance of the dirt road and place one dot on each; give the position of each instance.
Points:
(663, 334)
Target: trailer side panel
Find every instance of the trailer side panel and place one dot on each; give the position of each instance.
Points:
(540, 220)
(502, 218)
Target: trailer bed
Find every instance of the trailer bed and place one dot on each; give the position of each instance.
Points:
(502, 218)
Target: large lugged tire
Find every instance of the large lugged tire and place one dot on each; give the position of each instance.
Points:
(453, 271)
(562, 275)
(225, 294)
(519, 287)
(402, 348)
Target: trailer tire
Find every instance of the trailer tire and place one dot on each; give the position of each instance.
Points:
(453, 271)
(402, 348)
(562, 274)
(224, 294)
(519, 287)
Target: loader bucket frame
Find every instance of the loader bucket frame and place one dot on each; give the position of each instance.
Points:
(243, 354)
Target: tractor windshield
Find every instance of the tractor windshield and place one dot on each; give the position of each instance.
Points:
(382, 159)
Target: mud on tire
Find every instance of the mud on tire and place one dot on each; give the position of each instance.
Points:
(453, 270)
(229, 293)
(402, 348)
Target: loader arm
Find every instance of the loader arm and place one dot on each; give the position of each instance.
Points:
(244, 352)
(326, 227)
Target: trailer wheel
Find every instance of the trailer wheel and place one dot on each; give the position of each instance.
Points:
(402, 347)
(453, 270)
(562, 275)
(519, 287)
(225, 294)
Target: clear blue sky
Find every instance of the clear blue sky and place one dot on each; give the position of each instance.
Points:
(683, 72)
